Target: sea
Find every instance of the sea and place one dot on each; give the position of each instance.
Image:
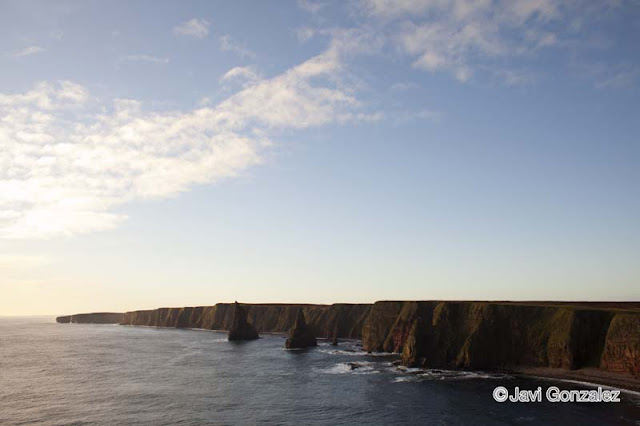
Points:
(86, 374)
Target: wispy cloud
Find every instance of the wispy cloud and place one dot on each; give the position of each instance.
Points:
(66, 163)
(514, 78)
(404, 117)
(304, 33)
(463, 37)
(198, 28)
(28, 51)
(311, 6)
(607, 75)
(247, 74)
(618, 79)
(144, 58)
(228, 44)
(467, 32)
(403, 86)
(56, 35)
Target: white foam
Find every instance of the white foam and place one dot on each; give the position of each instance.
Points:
(355, 352)
(405, 379)
(343, 352)
(363, 367)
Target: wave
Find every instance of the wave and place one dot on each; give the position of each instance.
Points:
(356, 352)
(362, 367)
(345, 352)
(418, 374)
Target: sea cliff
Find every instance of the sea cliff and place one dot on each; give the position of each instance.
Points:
(485, 335)
(325, 320)
(446, 334)
(92, 318)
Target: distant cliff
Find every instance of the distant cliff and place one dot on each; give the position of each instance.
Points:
(441, 334)
(93, 318)
(325, 320)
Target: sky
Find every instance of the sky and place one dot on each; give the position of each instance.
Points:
(165, 153)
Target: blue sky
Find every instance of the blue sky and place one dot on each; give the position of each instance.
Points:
(158, 153)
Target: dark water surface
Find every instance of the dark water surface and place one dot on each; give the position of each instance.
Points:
(107, 374)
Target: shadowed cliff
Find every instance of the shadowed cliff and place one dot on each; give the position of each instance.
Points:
(486, 335)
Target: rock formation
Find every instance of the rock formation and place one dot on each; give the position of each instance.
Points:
(240, 328)
(301, 335)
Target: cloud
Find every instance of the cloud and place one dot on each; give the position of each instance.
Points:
(463, 37)
(311, 6)
(457, 35)
(44, 97)
(230, 45)
(623, 79)
(514, 78)
(518, 11)
(613, 76)
(498, 39)
(198, 28)
(56, 35)
(403, 86)
(144, 58)
(404, 117)
(68, 164)
(247, 74)
(28, 51)
(608, 75)
(305, 33)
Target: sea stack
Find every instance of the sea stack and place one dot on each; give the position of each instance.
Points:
(301, 335)
(240, 328)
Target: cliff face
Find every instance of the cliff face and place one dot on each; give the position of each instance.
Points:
(622, 345)
(93, 318)
(324, 320)
(440, 334)
(484, 335)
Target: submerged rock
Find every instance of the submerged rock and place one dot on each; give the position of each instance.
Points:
(301, 335)
(240, 328)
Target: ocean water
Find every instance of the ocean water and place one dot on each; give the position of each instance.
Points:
(107, 374)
